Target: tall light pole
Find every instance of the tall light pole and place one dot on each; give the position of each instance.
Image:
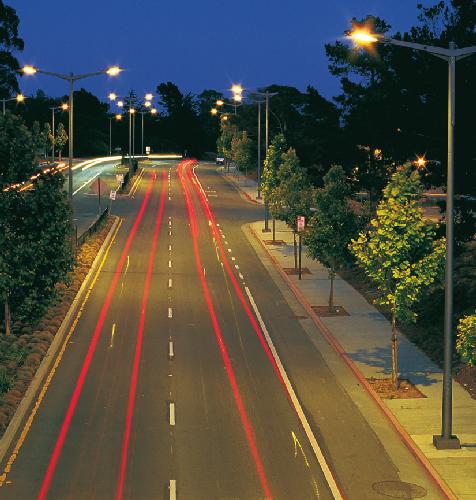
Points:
(452, 54)
(17, 98)
(63, 107)
(71, 78)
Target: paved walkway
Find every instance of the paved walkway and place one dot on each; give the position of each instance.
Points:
(364, 338)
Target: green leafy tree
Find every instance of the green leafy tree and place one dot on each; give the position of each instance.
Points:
(272, 162)
(50, 138)
(35, 253)
(242, 151)
(224, 141)
(332, 225)
(10, 42)
(400, 252)
(61, 139)
(292, 196)
(466, 339)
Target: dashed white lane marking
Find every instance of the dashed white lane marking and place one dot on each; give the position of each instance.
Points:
(229, 249)
(170, 198)
(218, 225)
(170, 233)
(170, 223)
(170, 282)
(233, 258)
(241, 276)
(170, 248)
(172, 489)
(170, 263)
(297, 405)
(170, 313)
(237, 266)
(172, 413)
(113, 332)
(171, 349)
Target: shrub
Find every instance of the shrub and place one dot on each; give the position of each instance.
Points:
(466, 339)
(5, 380)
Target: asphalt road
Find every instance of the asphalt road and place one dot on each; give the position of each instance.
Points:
(168, 388)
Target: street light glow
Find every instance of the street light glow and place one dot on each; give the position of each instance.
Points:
(147, 104)
(132, 111)
(153, 111)
(120, 103)
(220, 102)
(118, 117)
(236, 89)
(29, 70)
(64, 106)
(224, 118)
(20, 98)
(421, 161)
(237, 97)
(112, 96)
(149, 97)
(214, 111)
(113, 70)
(363, 37)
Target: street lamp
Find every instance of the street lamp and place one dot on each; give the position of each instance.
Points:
(116, 117)
(71, 78)
(452, 54)
(63, 107)
(17, 98)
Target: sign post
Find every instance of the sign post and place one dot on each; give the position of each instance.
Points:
(301, 224)
(112, 197)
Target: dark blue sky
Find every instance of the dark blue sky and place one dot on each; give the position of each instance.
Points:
(197, 44)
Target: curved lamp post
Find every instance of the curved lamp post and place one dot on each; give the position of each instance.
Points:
(452, 54)
(17, 98)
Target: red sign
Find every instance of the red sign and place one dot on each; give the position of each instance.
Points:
(301, 223)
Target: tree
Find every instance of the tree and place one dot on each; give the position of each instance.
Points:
(61, 139)
(242, 151)
(466, 339)
(332, 226)
(9, 43)
(292, 196)
(49, 138)
(272, 162)
(399, 252)
(35, 252)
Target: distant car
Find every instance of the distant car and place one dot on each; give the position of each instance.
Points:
(220, 160)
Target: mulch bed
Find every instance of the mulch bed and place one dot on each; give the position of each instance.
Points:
(327, 312)
(275, 242)
(22, 352)
(294, 272)
(385, 389)
(466, 376)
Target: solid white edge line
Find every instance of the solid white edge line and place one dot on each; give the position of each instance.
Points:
(86, 183)
(297, 405)
(172, 489)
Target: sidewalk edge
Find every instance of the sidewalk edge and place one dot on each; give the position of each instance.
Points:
(31, 392)
(334, 343)
(238, 188)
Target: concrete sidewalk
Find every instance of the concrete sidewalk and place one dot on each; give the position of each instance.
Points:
(363, 338)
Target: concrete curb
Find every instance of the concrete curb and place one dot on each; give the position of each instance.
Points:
(334, 343)
(31, 392)
(238, 188)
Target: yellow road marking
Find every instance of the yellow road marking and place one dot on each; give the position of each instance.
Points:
(297, 445)
(36, 407)
(111, 344)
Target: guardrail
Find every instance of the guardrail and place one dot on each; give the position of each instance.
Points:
(92, 228)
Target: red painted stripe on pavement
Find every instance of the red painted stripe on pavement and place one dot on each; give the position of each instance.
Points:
(92, 347)
(247, 426)
(140, 334)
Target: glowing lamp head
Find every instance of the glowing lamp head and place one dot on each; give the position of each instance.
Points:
(132, 111)
(363, 37)
(20, 98)
(224, 118)
(149, 97)
(236, 89)
(220, 102)
(112, 96)
(237, 97)
(421, 161)
(120, 103)
(147, 104)
(153, 111)
(29, 70)
(214, 111)
(113, 70)
(64, 107)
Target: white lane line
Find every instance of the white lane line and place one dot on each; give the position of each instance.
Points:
(86, 183)
(233, 258)
(170, 282)
(170, 198)
(229, 250)
(237, 266)
(218, 225)
(170, 248)
(113, 331)
(297, 405)
(171, 350)
(170, 233)
(170, 223)
(170, 312)
(172, 413)
(241, 276)
(170, 263)
(172, 489)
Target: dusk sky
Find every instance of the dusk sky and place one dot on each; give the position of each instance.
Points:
(195, 44)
